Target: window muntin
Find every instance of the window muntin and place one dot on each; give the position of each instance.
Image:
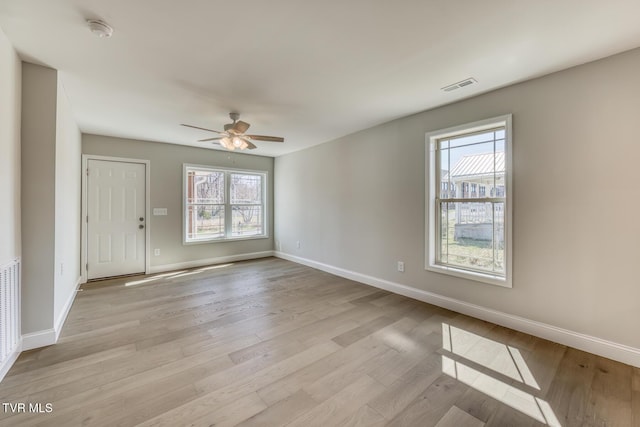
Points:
(468, 224)
(223, 204)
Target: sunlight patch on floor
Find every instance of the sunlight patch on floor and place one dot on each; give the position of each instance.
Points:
(215, 267)
(175, 274)
(517, 399)
(153, 278)
(496, 356)
(500, 358)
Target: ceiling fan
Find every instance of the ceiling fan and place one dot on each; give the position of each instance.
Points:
(233, 137)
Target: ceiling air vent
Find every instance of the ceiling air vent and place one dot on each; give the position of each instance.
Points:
(463, 83)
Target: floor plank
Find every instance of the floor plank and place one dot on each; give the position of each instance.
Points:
(570, 390)
(283, 411)
(431, 405)
(455, 417)
(339, 407)
(635, 404)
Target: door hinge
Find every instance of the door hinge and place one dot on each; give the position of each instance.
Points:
(87, 218)
(87, 266)
(87, 171)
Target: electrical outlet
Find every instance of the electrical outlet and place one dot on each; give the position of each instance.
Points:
(298, 244)
(156, 252)
(401, 266)
(278, 245)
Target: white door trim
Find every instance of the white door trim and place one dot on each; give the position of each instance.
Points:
(84, 255)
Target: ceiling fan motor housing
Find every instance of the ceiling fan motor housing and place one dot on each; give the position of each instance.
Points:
(234, 116)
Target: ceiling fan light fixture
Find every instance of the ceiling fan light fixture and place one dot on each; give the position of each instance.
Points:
(237, 142)
(226, 143)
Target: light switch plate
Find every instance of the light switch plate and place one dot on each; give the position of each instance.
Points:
(159, 211)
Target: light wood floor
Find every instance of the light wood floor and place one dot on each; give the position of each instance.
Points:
(271, 343)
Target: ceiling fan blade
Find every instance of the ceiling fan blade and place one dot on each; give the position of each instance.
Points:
(250, 145)
(265, 138)
(240, 126)
(211, 139)
(197, 127)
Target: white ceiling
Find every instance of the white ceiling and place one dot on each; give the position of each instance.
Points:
(309, 71)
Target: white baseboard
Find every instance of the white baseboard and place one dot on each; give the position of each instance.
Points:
(65, 310)
(50, 336)
(620, 352)
(9, 361)
(209, 261)
(38, 339)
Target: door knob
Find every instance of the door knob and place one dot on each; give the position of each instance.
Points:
(141, 219)
(141, 226)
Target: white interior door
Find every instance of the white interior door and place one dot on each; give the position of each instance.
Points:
(116, 235)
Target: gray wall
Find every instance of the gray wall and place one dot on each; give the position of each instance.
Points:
(50, 202)
(10, 101)
(67, 206)
(166, 192)
(357, 203)
(39, 98)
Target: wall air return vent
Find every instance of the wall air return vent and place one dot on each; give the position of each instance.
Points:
(9, 315)
(463, 83)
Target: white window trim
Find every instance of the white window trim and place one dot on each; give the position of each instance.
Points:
(431, 139)
(227, 238)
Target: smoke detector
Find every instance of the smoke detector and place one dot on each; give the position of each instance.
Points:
(100, 28)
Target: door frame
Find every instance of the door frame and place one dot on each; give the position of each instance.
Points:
(84, 246)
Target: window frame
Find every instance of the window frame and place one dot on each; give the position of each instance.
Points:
(228, 206)
(431, 199)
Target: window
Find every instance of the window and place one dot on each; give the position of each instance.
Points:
(469, 234)
(223, 204)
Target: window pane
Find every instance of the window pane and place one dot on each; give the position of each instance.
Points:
(471, 139)
(445, 185)
(472, 166)
(205, 187)
(500, 170)
(445, 209)
(475, 166)
(246, 189)
(469, 236)
(205, 222)
(247, 221)
(498, 237)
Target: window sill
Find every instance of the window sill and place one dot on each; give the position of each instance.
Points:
(223, 240)
(471, 275)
